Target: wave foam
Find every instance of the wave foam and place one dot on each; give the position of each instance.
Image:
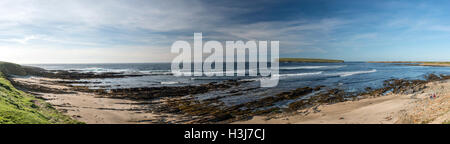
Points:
(346, 74)
(213, 72)
(300, 74)
(169, 83)
(124, 71)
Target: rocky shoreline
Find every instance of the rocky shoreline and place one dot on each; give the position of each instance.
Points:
(430, 105)
(180, 101)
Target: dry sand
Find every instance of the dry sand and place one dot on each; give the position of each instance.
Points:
(390, 109)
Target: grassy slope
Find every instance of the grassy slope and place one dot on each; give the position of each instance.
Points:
(17, 107)
(309, 60)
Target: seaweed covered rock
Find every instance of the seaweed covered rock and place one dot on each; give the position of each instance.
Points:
(148, 93)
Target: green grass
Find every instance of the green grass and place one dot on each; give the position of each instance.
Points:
(310, 60)
(18, 107)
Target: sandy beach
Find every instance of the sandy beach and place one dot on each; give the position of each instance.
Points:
(94, 109)
(416, 108)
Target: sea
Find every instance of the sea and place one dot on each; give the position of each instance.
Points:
(349, 76)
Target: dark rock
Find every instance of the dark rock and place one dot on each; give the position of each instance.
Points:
(222, 117)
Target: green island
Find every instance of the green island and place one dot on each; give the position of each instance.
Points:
(18, 107)
(309, 60)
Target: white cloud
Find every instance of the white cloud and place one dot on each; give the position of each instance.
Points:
(33, 31)
(38, 54)
(157, 15)
(95, 31)
(297, 36)
(21, 41)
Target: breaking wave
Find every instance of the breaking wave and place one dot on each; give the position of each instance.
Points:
(346, 74)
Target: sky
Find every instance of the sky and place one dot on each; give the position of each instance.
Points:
(135, 31)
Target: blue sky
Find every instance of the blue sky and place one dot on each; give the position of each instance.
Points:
(108, 31)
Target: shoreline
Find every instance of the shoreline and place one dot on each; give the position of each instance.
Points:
(431, 64)
(416, 63)
(156, 105)
(95, 109)
(398, 106)
(415, 108)
(120, 106)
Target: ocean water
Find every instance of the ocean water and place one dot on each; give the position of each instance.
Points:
(350, 76)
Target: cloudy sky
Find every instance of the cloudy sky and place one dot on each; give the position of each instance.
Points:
(111, 31)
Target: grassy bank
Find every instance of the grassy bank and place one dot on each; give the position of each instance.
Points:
(18, 107)
(310, 60)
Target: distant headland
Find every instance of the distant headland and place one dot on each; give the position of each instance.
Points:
(415, 63)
